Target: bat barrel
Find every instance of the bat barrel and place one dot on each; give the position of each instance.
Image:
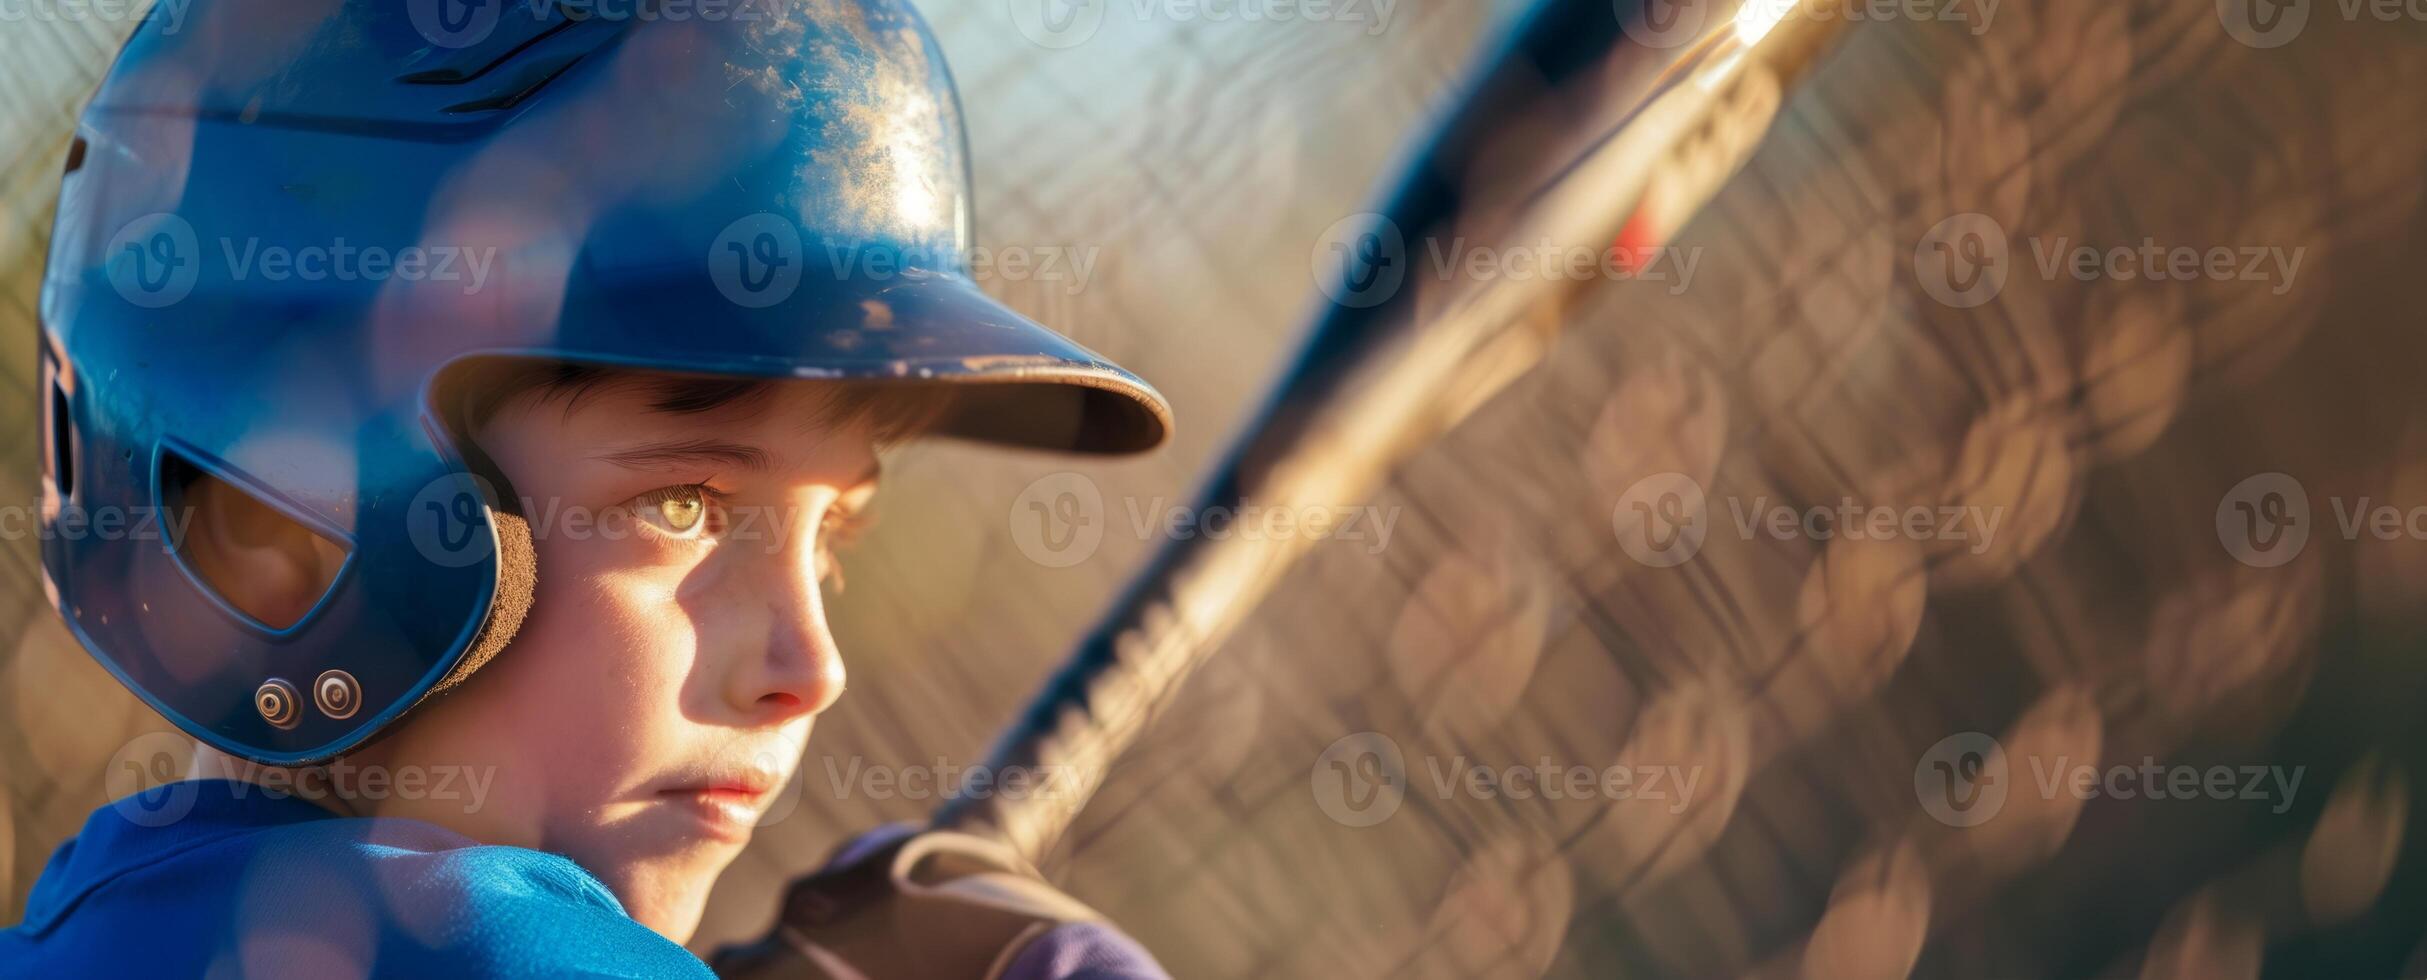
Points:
(1588, 99)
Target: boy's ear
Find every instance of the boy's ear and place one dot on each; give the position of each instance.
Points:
(260, 561)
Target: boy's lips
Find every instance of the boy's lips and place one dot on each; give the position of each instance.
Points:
(753, 774)
(750, 787)
(740, 792)
(728, 798)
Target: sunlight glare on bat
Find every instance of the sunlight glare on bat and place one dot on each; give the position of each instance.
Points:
(1757, 18)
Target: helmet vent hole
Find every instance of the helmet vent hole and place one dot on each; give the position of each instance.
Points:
(245, 550)
(62, 455)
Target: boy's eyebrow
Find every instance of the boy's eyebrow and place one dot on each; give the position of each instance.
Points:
(688, 451)
(707, 451)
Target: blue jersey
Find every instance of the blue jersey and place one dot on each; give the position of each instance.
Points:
(215, 878)
(221, 878)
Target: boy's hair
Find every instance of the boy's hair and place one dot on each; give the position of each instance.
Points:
(896, 411)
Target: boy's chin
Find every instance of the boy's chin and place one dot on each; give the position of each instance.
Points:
(668, 895)
(660, 860)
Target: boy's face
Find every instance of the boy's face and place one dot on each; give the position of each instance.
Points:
(660, 694)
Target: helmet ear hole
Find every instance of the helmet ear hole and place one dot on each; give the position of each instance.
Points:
(246, 552)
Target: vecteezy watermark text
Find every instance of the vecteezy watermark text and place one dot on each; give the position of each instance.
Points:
(759, 260)
(1060, 520)
(1965, 260)
(1546, 261)
(1663, 519)
(1070, 266)
(1673, 786)
(946, 780)
(346, 262)
(2148, 260)
(1362, 779)
(1157, 517)
(1966, 779)
(1973, 524)
(156, 260)
(148, 782)
(341, 779)
(1364, 260)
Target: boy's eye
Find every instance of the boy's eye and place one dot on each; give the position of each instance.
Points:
(844, 524)
(680, 511)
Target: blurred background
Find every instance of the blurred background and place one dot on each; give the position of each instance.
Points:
(2187, 571)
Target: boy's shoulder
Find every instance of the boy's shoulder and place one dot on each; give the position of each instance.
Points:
(232, 881)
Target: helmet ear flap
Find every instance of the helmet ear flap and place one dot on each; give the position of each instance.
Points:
(517, 584)
(517, 562)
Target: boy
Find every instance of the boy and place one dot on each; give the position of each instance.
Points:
(553, 523)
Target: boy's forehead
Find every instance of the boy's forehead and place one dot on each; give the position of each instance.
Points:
(684, 403)
(673, 401)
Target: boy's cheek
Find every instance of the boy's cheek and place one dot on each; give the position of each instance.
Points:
(592, 613)
(579, 703)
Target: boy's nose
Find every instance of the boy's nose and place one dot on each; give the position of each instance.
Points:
(798, 670)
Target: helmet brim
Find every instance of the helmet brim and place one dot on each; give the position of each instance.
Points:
(1024, 385)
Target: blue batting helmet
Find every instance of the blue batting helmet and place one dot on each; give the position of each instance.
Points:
(283, 223)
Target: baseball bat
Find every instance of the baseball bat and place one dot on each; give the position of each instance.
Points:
(1635, 124)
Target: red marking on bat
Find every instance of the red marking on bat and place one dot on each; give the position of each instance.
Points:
(1636, 243)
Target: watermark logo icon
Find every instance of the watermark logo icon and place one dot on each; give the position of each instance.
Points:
(1963, 261)
(1664, 23)
(2264, 520)
(1661, 521)
(1058, 521)
(756, 261)
(1962, 781)
(1057, 24)
(2263, 23)
(1361, 260)
(1360, 780)
(153, 260)
(448, 520)
(146, 780)
(455, 23)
